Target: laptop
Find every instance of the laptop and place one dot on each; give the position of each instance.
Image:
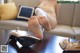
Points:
(25, 12)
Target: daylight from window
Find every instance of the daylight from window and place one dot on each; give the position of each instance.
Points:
(68, 0)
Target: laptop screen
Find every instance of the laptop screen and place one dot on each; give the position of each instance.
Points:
(25, 12)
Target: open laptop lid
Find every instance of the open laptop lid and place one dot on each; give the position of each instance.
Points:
(25, 12)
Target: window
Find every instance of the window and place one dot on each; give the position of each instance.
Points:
(1, 1)
(68, 0)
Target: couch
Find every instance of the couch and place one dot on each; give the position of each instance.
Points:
(68, 17)
(68, 21)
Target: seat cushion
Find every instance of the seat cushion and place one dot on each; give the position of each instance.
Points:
(77, 32)
(13, 24)
(33, 3)
(76, 19)
(65, 14)
(62, 30)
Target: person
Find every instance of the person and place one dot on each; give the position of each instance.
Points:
(45, 18)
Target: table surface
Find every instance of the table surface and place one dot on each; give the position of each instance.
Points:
(49, 44)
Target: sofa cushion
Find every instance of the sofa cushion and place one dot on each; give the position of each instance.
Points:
(77, 32)
(13, 24)
(62, 30)
(32, 3)
(8, 11)
(76, 20)
(66, 14)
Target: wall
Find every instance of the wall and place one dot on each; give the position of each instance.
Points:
(1, 1)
